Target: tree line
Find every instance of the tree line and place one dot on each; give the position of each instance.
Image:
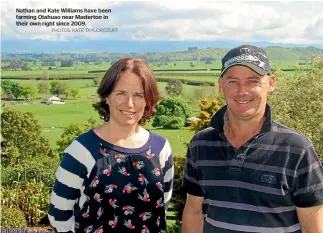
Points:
(15, 90)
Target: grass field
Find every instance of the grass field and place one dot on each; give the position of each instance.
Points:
(54, 118)
(83, 68)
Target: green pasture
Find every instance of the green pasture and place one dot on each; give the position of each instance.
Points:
(83, 68)
(54, 118)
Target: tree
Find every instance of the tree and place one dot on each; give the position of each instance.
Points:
(29, 92)
(58, 88)
(207, 109)
(174, 88)
(96, 81)
(297, 102)
(16, 90)
(67, 93)
(74, 92)
(43, 88)
(71, 132)
(169, 112)
(66, 63)
(21, 137)
(6, 86)
(45, 75)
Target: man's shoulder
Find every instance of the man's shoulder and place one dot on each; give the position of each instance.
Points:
(209, 133)
(290, 136)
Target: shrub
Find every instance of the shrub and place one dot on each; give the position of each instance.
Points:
(174, 123)
(12, 218)
(208, 108)
(39, 168)
(174, 87)
(169, 108)
(160, 120)
(21, 137)
(179, 196)
(297, 102)
(31, 198)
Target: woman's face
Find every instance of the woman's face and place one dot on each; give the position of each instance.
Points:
(127, 100)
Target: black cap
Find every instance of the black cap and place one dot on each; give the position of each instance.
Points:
(247, 55)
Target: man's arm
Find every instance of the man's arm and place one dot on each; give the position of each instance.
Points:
(192, 215)
(308, 192)
(311, 219)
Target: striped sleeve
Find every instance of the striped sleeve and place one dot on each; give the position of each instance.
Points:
(73, 169)
(308, 189)
(167, 166)
(191, 181)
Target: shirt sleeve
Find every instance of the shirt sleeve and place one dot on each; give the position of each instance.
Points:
(190, 182)
(69, 179)
(167, 166)
(308, 188)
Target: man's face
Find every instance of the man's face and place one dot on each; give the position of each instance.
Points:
(245, 91)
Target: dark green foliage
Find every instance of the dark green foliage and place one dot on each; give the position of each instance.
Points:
(12, 218)
(39, 168)
(71, 132)
(174, 123)
(179, 196)
(21, 137)
(169, 110)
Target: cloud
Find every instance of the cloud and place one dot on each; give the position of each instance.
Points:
(284, 22)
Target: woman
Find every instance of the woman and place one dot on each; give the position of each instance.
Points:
(117, 177)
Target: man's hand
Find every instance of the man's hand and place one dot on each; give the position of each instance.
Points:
(311, 219)
(192, 215)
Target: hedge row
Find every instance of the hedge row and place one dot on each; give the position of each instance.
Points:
(191, 74)
(188, 82)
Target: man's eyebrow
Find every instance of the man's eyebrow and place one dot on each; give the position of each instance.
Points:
(255, 77)
(229, 77)
(250, 77)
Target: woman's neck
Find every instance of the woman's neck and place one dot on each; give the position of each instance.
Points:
(128, 137)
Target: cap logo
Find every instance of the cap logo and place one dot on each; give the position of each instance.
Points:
(249, 55)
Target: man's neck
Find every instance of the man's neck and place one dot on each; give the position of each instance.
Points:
(239, 132)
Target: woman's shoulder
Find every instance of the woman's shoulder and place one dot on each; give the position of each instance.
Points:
(84, 141)
(157, 137)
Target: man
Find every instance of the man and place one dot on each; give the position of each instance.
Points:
(248, 173)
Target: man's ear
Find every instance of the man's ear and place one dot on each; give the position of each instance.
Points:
(272, 83)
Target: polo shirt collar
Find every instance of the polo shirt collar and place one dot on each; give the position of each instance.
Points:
(220, 117)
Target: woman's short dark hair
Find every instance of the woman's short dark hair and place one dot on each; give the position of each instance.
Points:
(138, 67)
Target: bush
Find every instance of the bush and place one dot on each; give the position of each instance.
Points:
(12, 218)
(174, 123)
(21, 137)
(297, 102)
(39, 168)
(169, 108)
(160, 120)
(207, 109)
(31, 198)
(179, 196)
(174, 87)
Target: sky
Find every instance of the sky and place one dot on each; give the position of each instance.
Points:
(279, 22)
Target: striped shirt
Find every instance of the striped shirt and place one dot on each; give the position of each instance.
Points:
(257, 187)
(104, 187)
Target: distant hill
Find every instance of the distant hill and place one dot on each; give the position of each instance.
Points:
(125, 46)
(276, 53)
